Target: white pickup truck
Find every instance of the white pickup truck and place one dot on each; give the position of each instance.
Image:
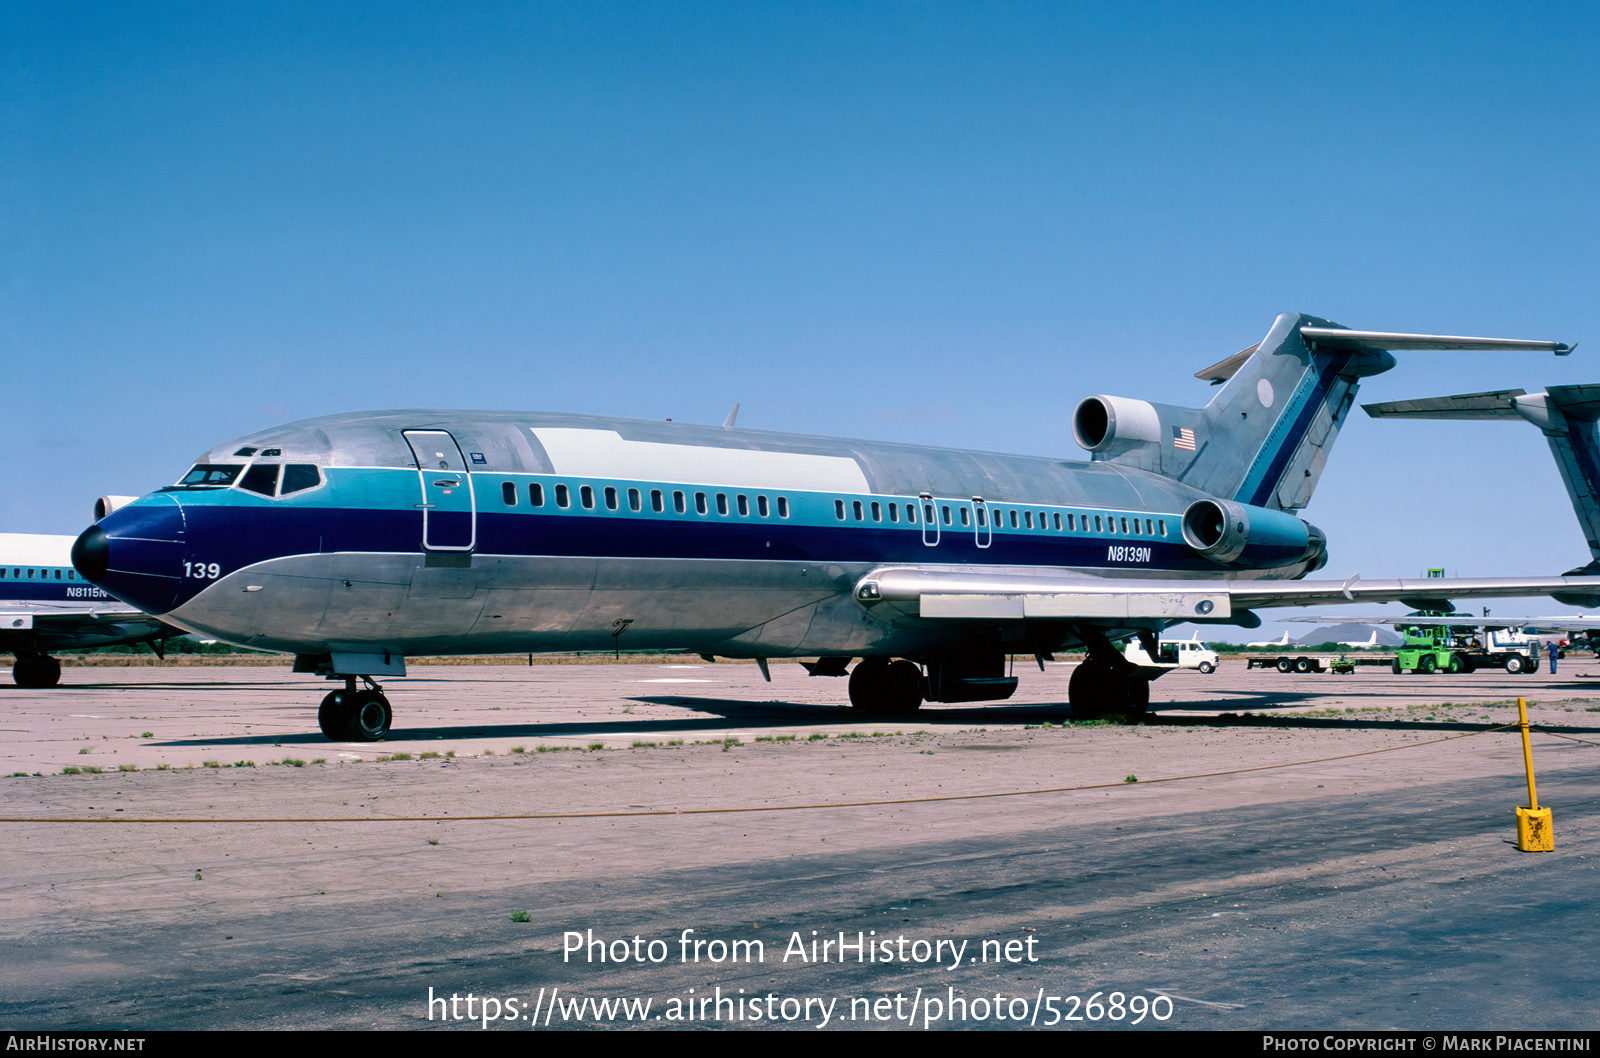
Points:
(1179, 654)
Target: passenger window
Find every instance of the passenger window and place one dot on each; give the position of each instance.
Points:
(783, 506)
(634, 502)
(586, 496)
(677, 502)
(563, 497)
(963, 512)
(611, 498)
(297, 477)
(838, 509)
(1013, 514)
(894, 512)
(1097, 527)
(722, 503)
(1163, 525)
(744, 505)
(1027, 516)
(946, 512)
(536, 494)
(656, 503)
(1057, 518)
(1072, 523)
(508, 492)
(856, 509)
(261, 478)
(761, 506)
(1124, 527)
(1149, 528)
(700, 503)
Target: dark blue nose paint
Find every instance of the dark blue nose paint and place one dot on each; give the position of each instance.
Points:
(136, 553)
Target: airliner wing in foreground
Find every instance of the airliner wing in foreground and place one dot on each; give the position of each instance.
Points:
(45, 607)
(356, 541)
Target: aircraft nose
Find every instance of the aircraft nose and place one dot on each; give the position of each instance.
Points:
(136, 553)
(91, 554)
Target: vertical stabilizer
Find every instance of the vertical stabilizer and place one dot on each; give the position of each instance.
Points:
(1566, 415)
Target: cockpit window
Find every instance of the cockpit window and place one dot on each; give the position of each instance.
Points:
(210, 475)
(262, 478)
(298, 477)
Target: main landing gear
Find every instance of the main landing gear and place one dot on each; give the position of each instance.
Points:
(886, 688)
(1107, 686)
(354, 715)
(36, 670)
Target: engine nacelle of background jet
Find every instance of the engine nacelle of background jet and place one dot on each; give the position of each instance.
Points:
(106, 504)
(1111, 425)
(1241, 535)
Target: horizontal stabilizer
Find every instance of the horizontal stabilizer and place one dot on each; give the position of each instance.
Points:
(1494, 404)
(1341, 338)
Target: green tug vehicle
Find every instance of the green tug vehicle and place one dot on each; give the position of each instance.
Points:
(1463, 647)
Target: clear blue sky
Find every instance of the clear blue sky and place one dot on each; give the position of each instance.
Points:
(928, 222)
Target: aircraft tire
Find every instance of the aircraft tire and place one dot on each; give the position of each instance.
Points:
(370, 718)
(884, 689)
(333, 716)
(39, 670)
(1099, 692)
(1514, 664)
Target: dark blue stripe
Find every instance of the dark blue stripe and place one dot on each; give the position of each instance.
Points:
(1302, 422)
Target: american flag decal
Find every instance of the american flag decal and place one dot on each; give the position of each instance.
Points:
(1183, 438)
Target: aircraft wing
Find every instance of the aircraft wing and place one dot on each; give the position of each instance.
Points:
(1458, 621)
(58, 626)
(955, 592)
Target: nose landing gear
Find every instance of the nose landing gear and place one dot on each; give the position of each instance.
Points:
(36, 670)
(352, 715)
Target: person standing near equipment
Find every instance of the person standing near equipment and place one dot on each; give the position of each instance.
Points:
(1552, 647)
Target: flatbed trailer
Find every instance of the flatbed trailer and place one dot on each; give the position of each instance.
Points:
(1316, 662)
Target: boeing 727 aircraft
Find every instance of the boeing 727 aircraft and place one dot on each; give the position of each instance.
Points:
(354, 541)
(45, 607)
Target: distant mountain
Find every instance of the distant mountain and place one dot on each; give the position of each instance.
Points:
(1350, 633)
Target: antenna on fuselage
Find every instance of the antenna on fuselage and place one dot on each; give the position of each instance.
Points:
(732, 415)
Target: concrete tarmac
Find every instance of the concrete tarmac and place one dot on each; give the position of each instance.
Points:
(1298, 852)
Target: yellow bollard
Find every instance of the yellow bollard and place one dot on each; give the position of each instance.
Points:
(1534, 830)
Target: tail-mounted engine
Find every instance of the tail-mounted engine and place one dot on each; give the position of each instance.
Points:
(1110, 426)
(106, 504)
(1247, 537)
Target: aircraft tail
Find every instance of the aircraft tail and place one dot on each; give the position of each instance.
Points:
(1265, 436)
(1567, 415)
